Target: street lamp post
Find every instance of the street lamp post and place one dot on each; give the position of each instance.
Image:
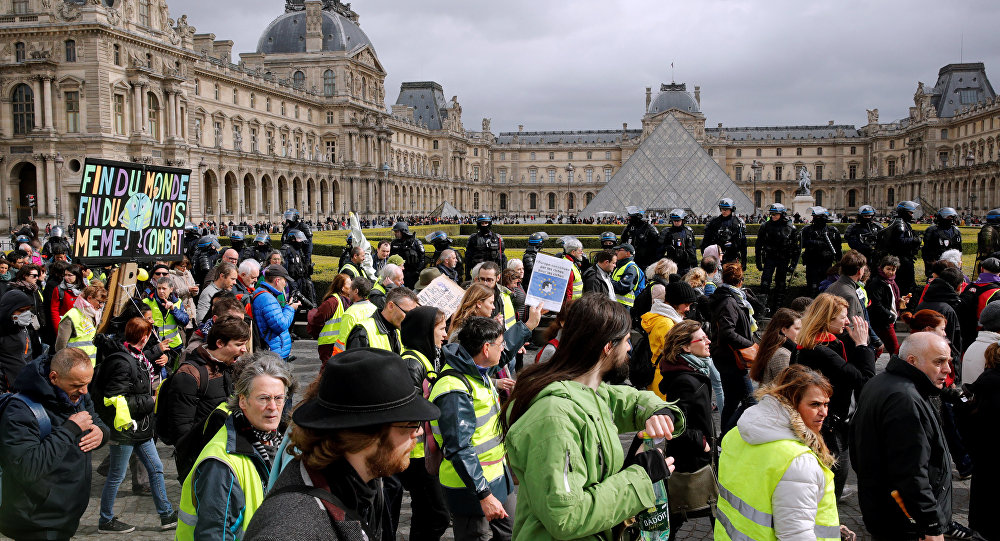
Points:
(755, 168)
(970, 160)
(10, 217)
(218, 229)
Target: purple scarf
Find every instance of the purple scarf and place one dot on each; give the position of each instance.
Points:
(892, 285)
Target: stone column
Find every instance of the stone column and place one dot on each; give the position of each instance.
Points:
(50, 186)
(223, 188)
(40, 184)
(47, 92)
(256, 199)
(145, 108)
(179, 124)
(137, 124)
(36, 91)
(275, 201)
(169, 112)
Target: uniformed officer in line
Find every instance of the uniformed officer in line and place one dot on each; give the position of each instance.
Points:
(820, 248)
(441, 242)
(535, 242)
(777, 253)
(988, 239)
(293, 221)
(298, 263)
(484, 245)
(643, 236)
(729, 232)
(677, 242)
(943, 235)
(862, 235)
(899, 240)
(407, 246)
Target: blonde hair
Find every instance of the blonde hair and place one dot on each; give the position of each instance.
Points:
(817, 318)
(789, 388)
(664, 267)
(476, 294)
(696, 277)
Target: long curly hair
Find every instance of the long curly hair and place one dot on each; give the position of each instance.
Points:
(789, 388)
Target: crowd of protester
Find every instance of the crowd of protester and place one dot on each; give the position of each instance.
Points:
(650, 339)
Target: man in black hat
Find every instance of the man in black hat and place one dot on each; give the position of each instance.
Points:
(360, 427)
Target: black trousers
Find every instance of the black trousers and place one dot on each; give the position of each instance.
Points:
(430, 512)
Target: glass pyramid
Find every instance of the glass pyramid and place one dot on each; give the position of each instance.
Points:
(669, 170)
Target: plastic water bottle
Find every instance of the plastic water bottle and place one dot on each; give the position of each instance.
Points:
(654, 523)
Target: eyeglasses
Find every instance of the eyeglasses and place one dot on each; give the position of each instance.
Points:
(33, 275)
(502, 344)
(401, 309)
(412, 425)
(696, 340)
(264, 400)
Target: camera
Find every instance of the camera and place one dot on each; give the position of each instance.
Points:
(297, 296)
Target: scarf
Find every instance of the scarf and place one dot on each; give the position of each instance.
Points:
(72, 288)
(87, 309)
(143, 361)
(265, 442)
(746, 303)
(704, 365)
(699, 364)
(892, 286)
(25, 286)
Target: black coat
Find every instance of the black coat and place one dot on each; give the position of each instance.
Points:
(120, 374)
(730, 328)
(983, 440)
(897, 444)
(186, 406)
(18, 345)
(880, 311)
(943, 298)
(592, 282)
(46, 483)
(692, 391)
(847, 366)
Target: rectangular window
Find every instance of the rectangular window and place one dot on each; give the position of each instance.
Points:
(434, 145)
(503, 176)
(552, 155)
(590, 155)
(72, 112)
(590, 175)
(819, 172)
(144, 12)
(475, 151)
(533, 175)
(503, 156)
(944, 132)
(968, 96)
(532, 155)
(118, 55)
(552, 176)
(19, 52)
(607, 174)
(70, 50)
(798, 151)
(253, 100)
(331, 151)
(777, 151)
(236, 96)
(253, 141)
(739, 152)
(218, 135)
(607, 155)
(216, 91)
(475, 173)
(819, 151)
(296, 111)
(943, 158)
(119, 114)
(852, 171)
(267, 104)
(739, 173)
(711, 152)
(284, 145)
(298, 147)
(197, 87)
(759, 152)
(891, 168)
(892, 144)
(329, 117)
(854, 151)
(777, 171)
(20, 6)
(570, 156)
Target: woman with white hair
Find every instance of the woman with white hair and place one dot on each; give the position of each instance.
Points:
(573, 251)
(954, 257)
(657, 273)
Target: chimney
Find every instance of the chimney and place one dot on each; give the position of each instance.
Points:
(520, 127)
(831, 123)
(649, 97)
(697, 95)
(624, 126)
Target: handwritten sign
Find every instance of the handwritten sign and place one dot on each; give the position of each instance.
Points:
(549, 278)
(443, 294)
(130, 212)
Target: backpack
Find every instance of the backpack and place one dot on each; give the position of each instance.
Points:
(433, 454)
(554, 342)
(161, 409)
(257, 339)
(42, 416)
(640, 367)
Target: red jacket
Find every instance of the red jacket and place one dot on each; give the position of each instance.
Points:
(62, 300)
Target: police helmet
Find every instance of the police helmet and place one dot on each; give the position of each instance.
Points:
(436, 236)
(608, 236)
(993, 216)
(57, 231)
(291, 215)
(634, 211)
(821, 212)
(907, 206)
(23, 238)
(350, 239)
(296, 235)
(236, 235)
(206, 241)
(402, 227)
(866, 211)
(484, 218)
(677, 214)
(726, 204)
(777, 208)
(536, 239)
(262, 237)
(189, 226)
(946, 212)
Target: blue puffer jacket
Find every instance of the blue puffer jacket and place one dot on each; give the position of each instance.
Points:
(273, 319)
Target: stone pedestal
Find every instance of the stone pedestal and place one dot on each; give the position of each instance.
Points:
(801, 205)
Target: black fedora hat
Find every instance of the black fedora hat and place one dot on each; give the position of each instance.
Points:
(363, 387)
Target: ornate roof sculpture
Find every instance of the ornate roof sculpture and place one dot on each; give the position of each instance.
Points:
(668, 170)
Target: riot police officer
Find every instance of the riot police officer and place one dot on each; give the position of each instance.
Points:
(238, 243)
(206, 254)
(535, 242)
(608, 241)
(943, 235)
(728, 231)
(677, 242)
(989, 237)
(411, 250)
(862, 235)
(643, 236)
(298, 263)
(820, 248)
(484, 245)
(441, 242)
(777, 253)
(261, 248)
(192, 234)
(293, 221)
(56, 238)
(345, 256)
(898, 239)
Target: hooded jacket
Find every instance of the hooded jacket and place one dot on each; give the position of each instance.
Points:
(18, 345)
(458, 424)
(730, 328)
(417, 333)
(46, 483)
(566, 452)
(186, 406)
(897, 444)
(691, 391)
(974, 360)
(943, 298)
(658, 322)
(273, 319)
(796, 498)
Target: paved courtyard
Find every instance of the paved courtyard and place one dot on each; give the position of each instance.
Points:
(139, 510)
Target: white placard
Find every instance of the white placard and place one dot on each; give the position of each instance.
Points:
(549, 278)
(442, 293)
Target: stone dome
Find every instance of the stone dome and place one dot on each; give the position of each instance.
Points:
(287, 34)
(673, 96)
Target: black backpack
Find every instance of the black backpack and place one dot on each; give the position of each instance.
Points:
(162, 411)
(640, 367)
(42, 416)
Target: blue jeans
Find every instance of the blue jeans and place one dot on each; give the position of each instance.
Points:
(120, 454)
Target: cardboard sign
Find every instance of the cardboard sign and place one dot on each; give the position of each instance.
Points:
(549, 278)
(130, 212)
(442, 293)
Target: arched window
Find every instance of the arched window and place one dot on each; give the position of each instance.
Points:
(154, 116)
(552, 201)
(778, 195)
(70, 50)
(758, 198)
(503, 201)
(329, 83)
(23, 109)
(299, 79)
(589, 197)
(570, 202)
(891, 197)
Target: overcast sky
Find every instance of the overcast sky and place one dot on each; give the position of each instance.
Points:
(585, 64)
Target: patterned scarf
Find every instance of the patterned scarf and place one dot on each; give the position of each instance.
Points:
(264, 442)
(699, 364)
(746, 303)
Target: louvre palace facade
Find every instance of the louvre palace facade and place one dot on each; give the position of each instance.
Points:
(303, 122)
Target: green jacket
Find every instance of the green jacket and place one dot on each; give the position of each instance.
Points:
(567, 455)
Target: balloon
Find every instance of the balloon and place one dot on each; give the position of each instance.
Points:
(142, 275)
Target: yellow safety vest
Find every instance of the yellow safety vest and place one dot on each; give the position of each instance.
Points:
(627, 299)
(246, 475)
(331, 329)
(83, 333)
(356, 312)
(485, 440)
(351, 270)
(509, 314)
(748, 475)
(577, 282)
(167, 328)
(379, 287)
(376, 339)
(418, 449)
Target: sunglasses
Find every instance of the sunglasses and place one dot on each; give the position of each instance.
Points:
(159, 274)
(413, 425)
(33, 275)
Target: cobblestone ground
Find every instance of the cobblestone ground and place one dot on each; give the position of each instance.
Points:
(139, 510)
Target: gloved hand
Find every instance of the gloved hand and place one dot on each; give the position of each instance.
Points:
(651, 461)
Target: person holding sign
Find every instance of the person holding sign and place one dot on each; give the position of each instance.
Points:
(169, 315)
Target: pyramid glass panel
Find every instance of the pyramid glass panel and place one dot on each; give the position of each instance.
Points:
(669, 170)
